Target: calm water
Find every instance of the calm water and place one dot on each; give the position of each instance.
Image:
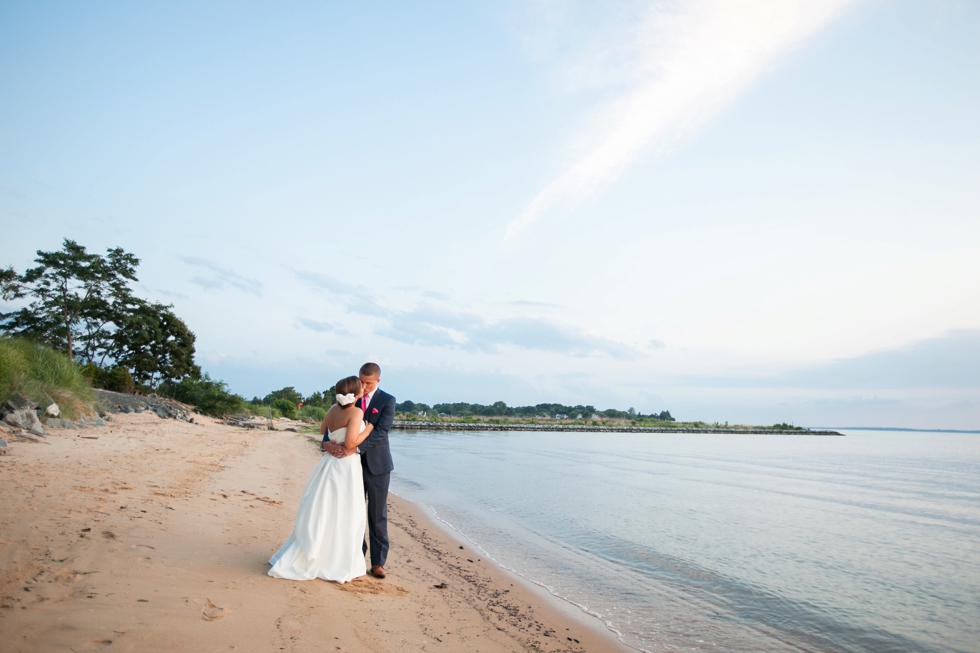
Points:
(869, 542)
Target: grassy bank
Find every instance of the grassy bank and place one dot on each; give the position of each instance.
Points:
(43, 375)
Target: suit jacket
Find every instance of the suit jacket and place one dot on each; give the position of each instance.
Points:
(375, 454)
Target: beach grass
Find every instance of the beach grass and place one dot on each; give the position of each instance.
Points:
(45, 376)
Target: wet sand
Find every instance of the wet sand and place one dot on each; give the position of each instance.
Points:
(154, 535)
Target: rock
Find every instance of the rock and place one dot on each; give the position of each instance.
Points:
(58, 423)
(21, 419)
(17, 402)
(125, 409)
(14, 420)
(53, 410)
(98, 422)
(33, 424)
(3, 444)
(23, 436)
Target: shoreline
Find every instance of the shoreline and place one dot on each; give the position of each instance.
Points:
(457, 550)
(567, 609)
(491, 426)
(151, 535)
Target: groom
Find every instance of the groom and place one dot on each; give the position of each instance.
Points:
(376, 464)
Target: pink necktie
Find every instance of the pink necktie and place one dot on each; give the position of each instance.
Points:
(364, 403)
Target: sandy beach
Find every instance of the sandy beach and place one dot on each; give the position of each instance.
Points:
(154, 535)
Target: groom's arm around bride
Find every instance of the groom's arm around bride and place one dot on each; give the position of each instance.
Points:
(381, 413)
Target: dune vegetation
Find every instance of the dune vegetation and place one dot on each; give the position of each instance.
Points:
(44, 375)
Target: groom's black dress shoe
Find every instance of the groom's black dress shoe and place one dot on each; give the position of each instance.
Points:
(378, 571)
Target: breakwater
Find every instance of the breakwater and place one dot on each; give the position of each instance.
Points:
(490, 426)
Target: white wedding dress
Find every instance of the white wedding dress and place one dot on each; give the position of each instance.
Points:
(329, 530)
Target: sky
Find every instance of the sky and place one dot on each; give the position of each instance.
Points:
(735, 210)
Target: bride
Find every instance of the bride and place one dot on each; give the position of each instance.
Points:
(329, 530)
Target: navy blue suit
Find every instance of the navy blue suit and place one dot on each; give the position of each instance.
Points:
(376, 466)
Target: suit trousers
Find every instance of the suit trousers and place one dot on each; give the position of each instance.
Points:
(376, 489)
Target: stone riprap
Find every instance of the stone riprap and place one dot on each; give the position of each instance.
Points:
(117, 402)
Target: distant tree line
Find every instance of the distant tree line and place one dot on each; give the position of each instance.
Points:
(81, 303)
(500, 409)
(288, 402)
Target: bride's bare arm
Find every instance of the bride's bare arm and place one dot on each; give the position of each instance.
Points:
(354, 434)
(323, 430)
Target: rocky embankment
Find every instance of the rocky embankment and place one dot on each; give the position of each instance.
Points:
(164, 408)
(24, 420)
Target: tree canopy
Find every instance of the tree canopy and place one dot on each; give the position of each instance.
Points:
(74, 293)
(82, 304)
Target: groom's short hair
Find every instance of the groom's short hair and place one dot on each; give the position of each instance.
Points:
(370, 369)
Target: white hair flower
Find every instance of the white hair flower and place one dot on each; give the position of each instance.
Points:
(346, 400)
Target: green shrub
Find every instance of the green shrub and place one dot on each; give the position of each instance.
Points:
(259, 410)
(116, 379)
(313, 413)
(208, 395)
(43, 375)
(285, 406)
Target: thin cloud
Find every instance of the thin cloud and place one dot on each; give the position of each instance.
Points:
(530, 304)
(686, 61)
(323, 327)
(168, 293)
(355, 298)
(217, 277)
(434, 328)
(530, 333)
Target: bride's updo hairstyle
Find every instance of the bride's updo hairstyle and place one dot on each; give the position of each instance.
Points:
(348, 386)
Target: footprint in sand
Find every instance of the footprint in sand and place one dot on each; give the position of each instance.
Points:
(67, 576)
(212, 612)
(365, 585)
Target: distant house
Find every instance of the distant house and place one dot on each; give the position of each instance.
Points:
(561, 416)
(579, 416)
(595, 416)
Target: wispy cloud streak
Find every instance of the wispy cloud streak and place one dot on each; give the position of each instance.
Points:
(216, 277)
(686, 61)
